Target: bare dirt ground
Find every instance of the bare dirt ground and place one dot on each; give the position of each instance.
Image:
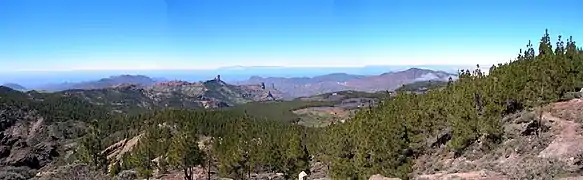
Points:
(336, 111)
(322, 116)
(555, 153)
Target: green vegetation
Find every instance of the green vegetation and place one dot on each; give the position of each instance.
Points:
(53, 107)
(241, 144)
(381, 140)
(342, 95)
(386, 139)
(277, 110)
(421, 86)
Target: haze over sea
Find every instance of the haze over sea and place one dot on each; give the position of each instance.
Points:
(72, 40)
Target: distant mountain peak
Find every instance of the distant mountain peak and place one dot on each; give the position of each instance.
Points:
(112, 81)
(14, 86)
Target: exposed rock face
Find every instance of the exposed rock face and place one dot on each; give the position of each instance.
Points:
(127, 175)
(27, 142)
(115, 152)
(34, 157)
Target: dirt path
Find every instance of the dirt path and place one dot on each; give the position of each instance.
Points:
(473, 175)
(568, 140)
(519, 156)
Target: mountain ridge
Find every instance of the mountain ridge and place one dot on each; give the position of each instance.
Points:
(111, 81)
(309, 86)
(14, 86)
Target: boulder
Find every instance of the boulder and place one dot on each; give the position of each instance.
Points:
(34, 157)
(127, 175)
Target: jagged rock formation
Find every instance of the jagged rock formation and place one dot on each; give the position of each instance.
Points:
(178, 94)
(31, 137)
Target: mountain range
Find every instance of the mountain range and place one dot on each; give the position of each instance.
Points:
(287, 87)
(306, 86)
(112, 81)
(36, 79)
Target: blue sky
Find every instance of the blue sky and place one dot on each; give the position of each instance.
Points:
(202, 34)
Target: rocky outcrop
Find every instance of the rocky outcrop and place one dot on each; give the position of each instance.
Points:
(127, 175)
(115, 152)
(34, 157)
(24, 142)
(29, 141)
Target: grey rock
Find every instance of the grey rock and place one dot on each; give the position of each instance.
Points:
(127, 175)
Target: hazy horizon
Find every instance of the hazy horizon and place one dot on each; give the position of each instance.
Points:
(229, 74)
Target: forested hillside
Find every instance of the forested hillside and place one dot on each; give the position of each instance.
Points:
(387, 139)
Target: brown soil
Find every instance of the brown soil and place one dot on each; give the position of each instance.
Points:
(335, 111)
(556, 152)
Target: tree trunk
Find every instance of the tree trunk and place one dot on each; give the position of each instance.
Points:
(208, 170)
(249, 171)
(187, 173)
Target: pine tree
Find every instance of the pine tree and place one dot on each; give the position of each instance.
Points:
(185, 154)
(91, 146)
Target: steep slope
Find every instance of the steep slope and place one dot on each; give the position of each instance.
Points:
(460, 128)
(298, 87)
(38, 131)
(553, 152)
